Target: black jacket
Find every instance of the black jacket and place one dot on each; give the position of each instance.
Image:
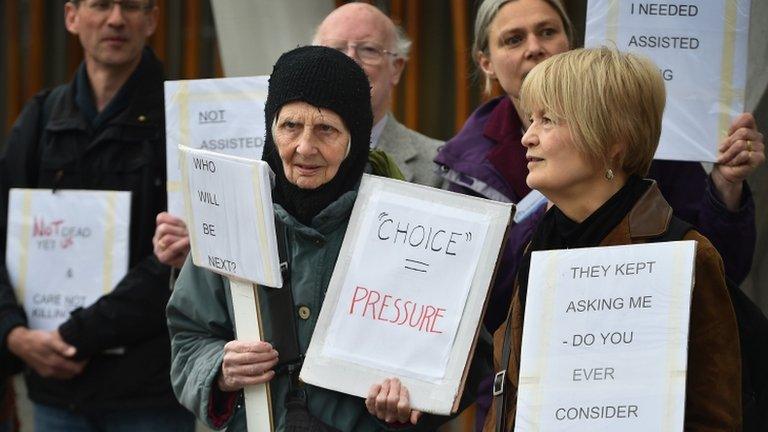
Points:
(126, 152)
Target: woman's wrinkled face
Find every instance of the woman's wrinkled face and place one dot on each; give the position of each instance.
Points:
(556, 167)
(312, 143)
(523, 34)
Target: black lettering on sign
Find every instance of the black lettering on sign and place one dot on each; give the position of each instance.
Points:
(421, 236)
(664, 9)
(616, 338)
(640, 302)
(596, 412)
(204, 164)
(232, 143)
(208, 198)
(209, 229)
(593, 374)
(212, 116)
(664, 42)
(222, 264)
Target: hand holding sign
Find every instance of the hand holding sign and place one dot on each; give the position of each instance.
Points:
(171, 240)
(246, 363)
(232, 233)
(390, 402)
(740, 153)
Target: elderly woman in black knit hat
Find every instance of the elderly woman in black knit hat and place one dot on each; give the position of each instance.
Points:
(318, 117)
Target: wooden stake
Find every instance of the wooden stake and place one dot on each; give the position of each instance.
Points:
(245, 302)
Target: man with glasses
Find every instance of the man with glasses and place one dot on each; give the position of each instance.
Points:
(106, 367)
(368, 36)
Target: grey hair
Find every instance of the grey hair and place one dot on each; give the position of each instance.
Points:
(402, 42)
(487, 12)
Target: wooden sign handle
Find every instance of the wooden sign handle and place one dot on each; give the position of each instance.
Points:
(245, 302)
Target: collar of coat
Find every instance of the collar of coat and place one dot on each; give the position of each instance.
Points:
(648, 218)
(327, 221)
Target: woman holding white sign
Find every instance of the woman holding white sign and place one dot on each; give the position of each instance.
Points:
(318, 113)
(486, 159)
(590, 164)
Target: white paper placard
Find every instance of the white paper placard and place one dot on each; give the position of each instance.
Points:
(605, 340)
(407, 293)
(231, 220)
(65, 249)
(222, 115)
(701, 49)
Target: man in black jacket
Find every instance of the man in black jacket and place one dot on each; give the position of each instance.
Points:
(107, 366)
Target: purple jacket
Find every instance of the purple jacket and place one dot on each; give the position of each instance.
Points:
(687, 187)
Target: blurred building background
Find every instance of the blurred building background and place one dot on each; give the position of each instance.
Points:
(436, 94)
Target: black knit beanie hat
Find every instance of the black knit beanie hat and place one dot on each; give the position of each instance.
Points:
(325, 78)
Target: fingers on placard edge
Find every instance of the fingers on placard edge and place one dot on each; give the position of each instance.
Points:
(415, 416)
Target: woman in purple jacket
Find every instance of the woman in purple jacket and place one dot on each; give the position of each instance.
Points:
(487, 159)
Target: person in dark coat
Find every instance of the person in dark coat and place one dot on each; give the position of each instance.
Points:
(106, 366)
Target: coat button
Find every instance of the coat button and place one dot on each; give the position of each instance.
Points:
(304, 312)
(142, 118)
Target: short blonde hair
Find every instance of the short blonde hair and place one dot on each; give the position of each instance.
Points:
(607, 97)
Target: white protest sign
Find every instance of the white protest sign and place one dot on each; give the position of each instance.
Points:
(409, 284)
(223, 115)
(700, 48)
(230, 216)
(231, 227)
(407, 293)
(605, 340)
(65, 249)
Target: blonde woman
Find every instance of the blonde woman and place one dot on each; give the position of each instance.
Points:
(590, 165)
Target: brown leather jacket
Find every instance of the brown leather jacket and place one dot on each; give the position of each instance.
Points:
(713, 387)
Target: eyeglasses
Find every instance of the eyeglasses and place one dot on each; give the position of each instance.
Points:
(129, 7)
(369, 53)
